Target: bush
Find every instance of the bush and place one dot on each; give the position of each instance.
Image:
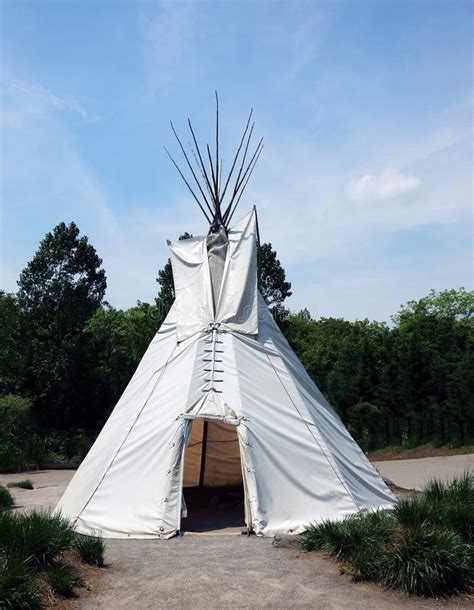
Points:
(357, 540)
(32, 546)
(445, 504)
(90, 549)
(6, 499)
(19, 588)
(428, 560)
(63, 579)
(423, 545)
(36, 537)
(26, 484)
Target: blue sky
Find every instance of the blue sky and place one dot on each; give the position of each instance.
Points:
(364, 186)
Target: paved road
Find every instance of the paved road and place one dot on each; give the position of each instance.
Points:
(413, 474)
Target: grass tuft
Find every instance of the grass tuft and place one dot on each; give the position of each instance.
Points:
(37, 537)
(63, 579)
(429, 560)
(25, 484)
(6, 499)
(19, 588)
(90, 548)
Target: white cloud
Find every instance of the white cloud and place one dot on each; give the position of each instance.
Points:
(25, 99)
(390, 184)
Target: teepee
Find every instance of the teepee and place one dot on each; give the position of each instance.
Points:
(220, 398)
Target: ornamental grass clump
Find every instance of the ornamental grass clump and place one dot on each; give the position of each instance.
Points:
(63, 579)
(38, 555)
(428, 560)
(37, 537)
(25, 484)
(6, 499)
(422, 546)
(90, 549)
(19, 589)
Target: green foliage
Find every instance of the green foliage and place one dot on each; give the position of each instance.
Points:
(428, 560)
(64, 283)
(59, 290)
(32, 546)
(13, 345)
(355, 539)
(405, 385)
(446, 303)
(116, 341)
(15, 429)
(443, 504)
(271, 278)
(90, 548)
(25, 484)
(63, 579)
(19, 589)
(423, 546)
(6, 499)
(37, 537)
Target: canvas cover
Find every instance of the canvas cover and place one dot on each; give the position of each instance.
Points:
(223, 361)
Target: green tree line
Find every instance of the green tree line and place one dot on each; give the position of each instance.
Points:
(66, 356)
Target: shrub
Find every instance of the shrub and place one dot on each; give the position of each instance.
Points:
(428, 560)
(90, 549)
(63, 579)
(37, 537)
(358, 540)
(18, 586)
(26, 484)
(6, 499)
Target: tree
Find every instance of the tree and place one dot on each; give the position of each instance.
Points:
(64, 283)
(272, 279)
(116, 341)
(15, 429)
(14, 344)
(59, 290)
(452, 303)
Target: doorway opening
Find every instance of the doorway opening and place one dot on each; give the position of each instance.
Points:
(214, 497)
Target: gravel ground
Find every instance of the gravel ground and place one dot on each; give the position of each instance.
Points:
(232, 571)
(49, 486)
(224, 570)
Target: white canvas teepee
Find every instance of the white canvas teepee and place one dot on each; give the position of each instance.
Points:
(219, 358)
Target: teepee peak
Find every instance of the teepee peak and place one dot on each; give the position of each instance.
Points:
(216, 195)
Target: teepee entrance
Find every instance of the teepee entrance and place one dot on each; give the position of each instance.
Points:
(213, 490)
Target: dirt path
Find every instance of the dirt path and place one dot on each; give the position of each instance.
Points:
(231, 571)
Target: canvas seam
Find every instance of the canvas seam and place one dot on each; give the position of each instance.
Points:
(329, 461)
(163, 369)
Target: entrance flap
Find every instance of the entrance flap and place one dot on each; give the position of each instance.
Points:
(212, 406)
